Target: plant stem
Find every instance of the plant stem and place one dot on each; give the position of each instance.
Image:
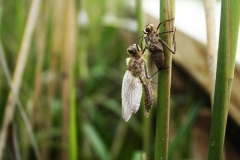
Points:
(229, 27)
(164, 85)
(19, 104)
(69, 45)
(18, 72)
(140, 20)
(73, 119)
(209, 6)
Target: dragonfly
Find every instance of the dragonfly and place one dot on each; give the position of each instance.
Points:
(134, 78)
(154, 43)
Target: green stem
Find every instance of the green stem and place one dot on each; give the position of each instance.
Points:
(164, 85)
(229, 27)
(73, 119)
(140, 19)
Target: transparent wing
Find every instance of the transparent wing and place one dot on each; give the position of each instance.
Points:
(131, 95)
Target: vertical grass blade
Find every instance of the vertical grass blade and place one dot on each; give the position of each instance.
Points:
(69, 49)
(55, 54)
(209, 6)
(18, 72)
(98, 145)
(140, 20)
(164, 85)
(229, 27)
(19, 104)
(73, 119)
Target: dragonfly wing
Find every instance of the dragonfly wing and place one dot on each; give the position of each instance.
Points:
(131, 95)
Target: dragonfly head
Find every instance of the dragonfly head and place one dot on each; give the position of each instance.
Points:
(148, 28)
(134, 50)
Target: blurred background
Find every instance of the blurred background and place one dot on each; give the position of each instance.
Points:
(62, 65)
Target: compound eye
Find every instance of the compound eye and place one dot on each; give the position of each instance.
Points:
(148, 29)
(131, 51)
(134, 50)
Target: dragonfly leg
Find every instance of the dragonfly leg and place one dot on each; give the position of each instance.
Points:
(157, 72)
(169, 47)
(167, 32)
(163, 22)
(174, 42)
(145, 68)
(140, 38)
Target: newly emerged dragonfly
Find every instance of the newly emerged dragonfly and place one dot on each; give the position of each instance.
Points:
(154, 43)
(134, 78)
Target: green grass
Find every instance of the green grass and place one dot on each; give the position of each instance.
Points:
(94, 126)
(229, 27)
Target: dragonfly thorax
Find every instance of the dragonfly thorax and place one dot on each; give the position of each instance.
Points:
(136, 66)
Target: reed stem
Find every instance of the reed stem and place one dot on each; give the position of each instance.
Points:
(229, 27)
(18, 72)
(164, 85)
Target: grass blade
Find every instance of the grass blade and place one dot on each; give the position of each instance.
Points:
(18, 73)
(229, 27)
(69, 49)
(98, 145)
(164, 85)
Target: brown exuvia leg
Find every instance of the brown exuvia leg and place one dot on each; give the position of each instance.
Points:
(163, 22)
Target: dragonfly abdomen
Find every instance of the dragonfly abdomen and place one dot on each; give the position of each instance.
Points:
(148, 95)
(157, 52)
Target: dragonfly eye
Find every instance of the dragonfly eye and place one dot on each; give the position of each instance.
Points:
(148, 29)
(134, 50)
(131, 50)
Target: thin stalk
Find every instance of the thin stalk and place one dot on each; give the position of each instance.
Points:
(55, 54)
(73, 114)
(140, 19)
(13, 142)
(164, 85)
(18, 72)
(69, 47)
(40, 40)
(229, 27)
(19, 104)
(43, 118)
(82, 70)
(209, 6)
(73, 121)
